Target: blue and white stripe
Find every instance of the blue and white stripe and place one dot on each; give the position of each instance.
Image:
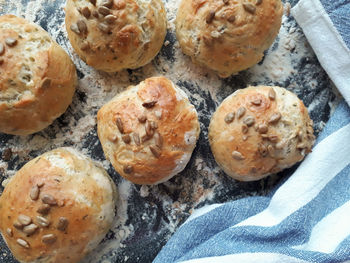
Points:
(308, 218)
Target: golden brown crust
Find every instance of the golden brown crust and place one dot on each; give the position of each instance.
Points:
(85, 198)
(227, 37)
(132, 38)
(37, 78)
(173, 138)
(273, 132)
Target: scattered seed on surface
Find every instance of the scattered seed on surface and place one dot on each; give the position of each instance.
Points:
(103, 27)
(41, 184)
(149, 104)
(158, 114)
(263, 150)
(113, 138)
(46, 83)
(240, 112)
(93, 2)
(229, 117)
(154, 125)
(85, 46)
(244, 138)
(310, 130)
(250, 8)
(148, 129)
(245, 128)
(300, 135)
(44, 209)
(75, 29)
(136, 138)
(259, 2)
(18, 225)
(273, 138)
(144, 138)
(49, 199)
(128, 169)
(30, 229)
(126, 138)
(271, 150)
(2, 49)
(49, 239)
(104, 10)
(237, 155)
(11, 42)
(225, 1)
(42, 221)
(256, 102)
(22, 243)
(155, 151)
(107, 3)
(62, 224)
(272, 94)
(110, 19)
(275, 118)
(210, 17)
(142, 118)
(86, 12)
(158, 140)
(2, 61)
(9, 232)
(263, 128)
(82, 26)
(231, 19)
(120, 125)
(34, 193)
(301, 145)
(95, 14)
(249, 120)
(24, 220)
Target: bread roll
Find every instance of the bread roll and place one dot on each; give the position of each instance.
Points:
(37, 77)
(258, 131)
(149, 131)
(227, 36)
(57, 208)
(114, 35)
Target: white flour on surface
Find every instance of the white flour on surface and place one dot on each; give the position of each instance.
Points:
(97, 88)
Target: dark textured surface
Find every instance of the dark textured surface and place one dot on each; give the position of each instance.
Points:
(149, 235)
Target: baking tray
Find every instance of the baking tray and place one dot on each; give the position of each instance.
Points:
(149, 215)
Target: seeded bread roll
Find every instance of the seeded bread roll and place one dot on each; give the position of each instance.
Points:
(258, 131)
(227, 36)
(149, 131)
(57, 208)
(37, 77)
(114, 35)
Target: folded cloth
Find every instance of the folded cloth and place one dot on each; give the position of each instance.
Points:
(308, 218)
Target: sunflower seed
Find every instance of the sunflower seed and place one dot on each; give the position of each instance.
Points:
(82, 26)
(272, 94)
(93, 2)
(275, 118)
(250, 8)
(103, 27)
(271, 150)
(22, 243)
(273, 138)
(300, 135)
(2, 49)
(244, 138)
(24, 220)
(263, 150)
(49, 239)
(46, 83)
(11, 42)
(110, 19)
(86, 12)
(154, 125)
(85, 45)
(104, 10)
(263, 128)
(95, 14)
(245, 128)
(42, 221)
(75, 29)
(128, 169)
(30, 229)
(120, 125)
(256, 102)
(149, 104)
(2, 61)
(309, 130)
(136, 138)
(41, 184)
(9, 232)
(259, 2)
(142, 118)
(107, 3)
(62, 224)
(231, 19)
(301, 145)
(155, 151)
(158, 140)
(249, 120)
(148, 129)
(113, 138)
(237, 155)
(158, 114)
(240, 112)
(44, 209)
(18, 225)
(34, 192)
(144, 138)
(210, 17)
(229, 117)
(126, 138)
(225, 1)
(48, 199)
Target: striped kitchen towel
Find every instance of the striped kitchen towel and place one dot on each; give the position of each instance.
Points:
(308, 218)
